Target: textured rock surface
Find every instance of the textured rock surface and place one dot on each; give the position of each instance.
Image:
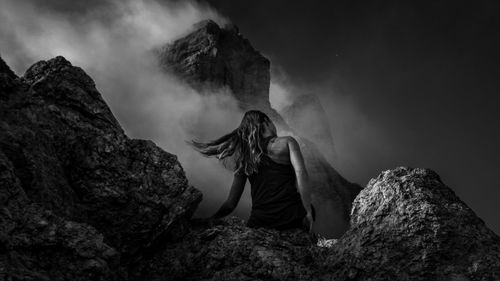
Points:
(212, 58)
(228, 250)
(66, 158)
(408, 225)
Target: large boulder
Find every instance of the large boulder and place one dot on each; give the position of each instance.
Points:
(408, 225)
(213, 58)
(71, 164)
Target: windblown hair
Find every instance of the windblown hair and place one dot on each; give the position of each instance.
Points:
(244, 143)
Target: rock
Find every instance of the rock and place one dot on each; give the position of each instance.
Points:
(408, 225)
(7, 79)
(405, 225)
(69, 157)
(35, 244)
(212, 58)
(228, 250)
(5, 70)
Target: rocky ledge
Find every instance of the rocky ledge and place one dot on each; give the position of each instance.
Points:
(405, 225)
(79, 200)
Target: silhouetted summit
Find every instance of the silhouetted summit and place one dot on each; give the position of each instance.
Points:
(211, 58)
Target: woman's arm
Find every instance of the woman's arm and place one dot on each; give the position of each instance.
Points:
(303, 181)
(232, 200)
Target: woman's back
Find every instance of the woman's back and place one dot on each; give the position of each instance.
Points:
(276, 203)
(276, 173)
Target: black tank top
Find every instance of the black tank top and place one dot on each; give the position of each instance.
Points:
(276, 203)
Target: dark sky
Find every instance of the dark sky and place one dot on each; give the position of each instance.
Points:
(425, 74)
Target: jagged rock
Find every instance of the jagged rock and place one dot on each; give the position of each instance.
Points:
(408, 225)
(211, 58)
(7, 79)
(71, 158)
(308, 118)
(5, 70)
(228, 250)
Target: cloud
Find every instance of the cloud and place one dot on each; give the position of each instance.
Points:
(113, 44)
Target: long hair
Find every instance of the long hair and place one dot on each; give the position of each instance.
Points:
(244, 143)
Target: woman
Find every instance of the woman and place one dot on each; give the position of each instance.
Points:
(280, 187)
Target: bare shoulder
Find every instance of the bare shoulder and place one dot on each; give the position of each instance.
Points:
(282, 145)
(291, 141)
(278, 150)
(288, 143)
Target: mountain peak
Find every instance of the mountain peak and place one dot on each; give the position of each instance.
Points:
(213, 57)
(208, 25)
(5, 69)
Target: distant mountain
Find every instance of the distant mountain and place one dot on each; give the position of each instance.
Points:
(308, 118)
(211, 58)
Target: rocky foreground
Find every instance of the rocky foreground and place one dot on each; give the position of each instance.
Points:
(79, 200)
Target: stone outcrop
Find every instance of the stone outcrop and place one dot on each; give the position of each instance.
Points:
(212, 58)
(77, 195)
(228, 250)
(408, 225)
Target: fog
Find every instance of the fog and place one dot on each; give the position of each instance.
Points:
(410, 88)
(113, 44)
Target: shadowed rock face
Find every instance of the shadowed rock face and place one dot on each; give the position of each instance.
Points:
(212, 58)
(74, 184)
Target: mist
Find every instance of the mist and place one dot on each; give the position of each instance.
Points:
(414, 88)
(113, 43)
